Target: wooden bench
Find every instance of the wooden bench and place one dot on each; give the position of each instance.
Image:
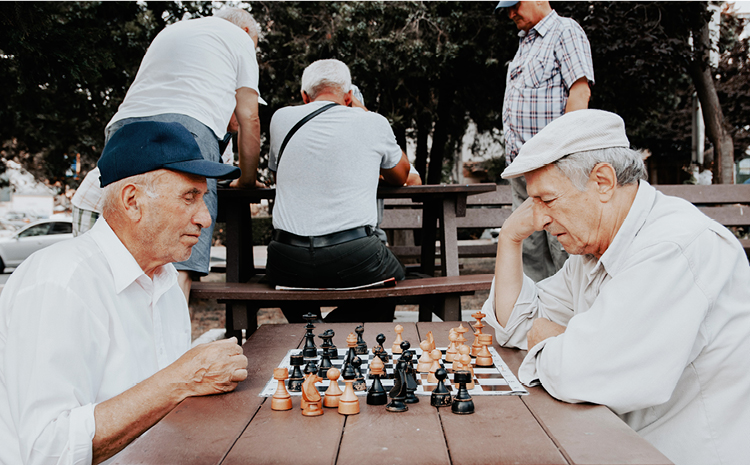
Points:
(728, 204)
(243, 300)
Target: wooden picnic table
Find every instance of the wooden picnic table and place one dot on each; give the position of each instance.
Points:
(240, 427)
(441, 204)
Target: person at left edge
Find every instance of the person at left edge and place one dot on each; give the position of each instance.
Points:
(94, 331)
(196, 72)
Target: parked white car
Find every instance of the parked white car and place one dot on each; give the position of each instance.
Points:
(29, 239)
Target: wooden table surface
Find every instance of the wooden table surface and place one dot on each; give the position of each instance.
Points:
(241, 428)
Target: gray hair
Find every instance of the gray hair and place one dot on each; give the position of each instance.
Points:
(240, 18)
(110, 196)
(628, 165)
(332, 75)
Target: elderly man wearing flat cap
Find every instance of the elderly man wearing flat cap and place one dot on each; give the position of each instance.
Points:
(95, 331)
(650, 315)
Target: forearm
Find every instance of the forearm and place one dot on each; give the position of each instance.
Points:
(578, 96)
(248, 141)
(508, 276)
(123, 418)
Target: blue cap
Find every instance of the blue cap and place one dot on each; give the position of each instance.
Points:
(145, 146)
(505, 4)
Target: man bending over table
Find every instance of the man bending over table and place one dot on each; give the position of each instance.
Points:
(95, 331)
(325, 213)
(650, 316)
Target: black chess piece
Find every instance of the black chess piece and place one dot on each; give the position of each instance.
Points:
(440, 396)
(377, 394)
(411, 378)
(462, 403)
(361, 348)
(295, 378)
(325, 364)
(310, 350)
(333, 352)
(398, 392)
(405, 345)
(311, 366)
(359, 379)
(383, 354)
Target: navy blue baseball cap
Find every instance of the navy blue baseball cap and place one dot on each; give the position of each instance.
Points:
(145, 146)
(505, 4)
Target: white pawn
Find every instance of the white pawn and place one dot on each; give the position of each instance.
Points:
(436, 357)
(451, 352)
(425, 360)
(396, 347)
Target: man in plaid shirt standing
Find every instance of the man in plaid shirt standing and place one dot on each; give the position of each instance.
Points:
(549, 76)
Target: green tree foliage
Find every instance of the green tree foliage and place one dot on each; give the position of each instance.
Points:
(429, 67)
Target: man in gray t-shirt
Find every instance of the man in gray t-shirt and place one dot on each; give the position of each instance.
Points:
(326, 185)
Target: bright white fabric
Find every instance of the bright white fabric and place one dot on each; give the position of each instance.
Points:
(80, 323)
(327, 180)
(658, 330)
(193, 68)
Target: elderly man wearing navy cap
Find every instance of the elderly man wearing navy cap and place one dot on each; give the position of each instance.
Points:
(95, 332)
(650, 315)
(548, 77)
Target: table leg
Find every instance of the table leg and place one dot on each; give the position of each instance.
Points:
(449, 238)
(239, 227)
(429, 232)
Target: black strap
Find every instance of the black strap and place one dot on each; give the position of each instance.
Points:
(299, 125)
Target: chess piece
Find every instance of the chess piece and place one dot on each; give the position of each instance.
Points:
(359, 379)
(405, 345)
(466, 366)
(476, 346)
(440, 396)
(325, 364)
(310, 350)
(484, 357)
(361, 348)
(311, 366)
(396, 347)
(458, 361)
(333, 393)
(398, 392)
(461, 339)
(333, 352)
(348, 402)
(312, 405)
(281, 400)
(382, 353)
(436, 357)
(376, 395)
(431, 340)
(296, 378)
(451, 351)
(411, 378)
(351, 343)
(425, 361)
(462, 403)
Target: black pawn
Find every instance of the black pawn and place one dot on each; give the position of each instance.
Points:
(405, 345)
(462, 403)
(440, 396)
(325, 364)
(380, 338)
(310, 351)
(295, 379)
(411, 379)
(376, 395)
(311, 366)
(361, 348)
(359, 379)
(333, 352)
(398, 392)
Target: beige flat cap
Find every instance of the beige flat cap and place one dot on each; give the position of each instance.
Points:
(577, 131)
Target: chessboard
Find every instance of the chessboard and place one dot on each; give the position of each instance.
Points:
(496, 380)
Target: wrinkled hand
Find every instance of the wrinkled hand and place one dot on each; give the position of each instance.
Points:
(542, 329)
(520, 224)
(212, 368)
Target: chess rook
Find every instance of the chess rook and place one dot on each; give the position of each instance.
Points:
(462, 403)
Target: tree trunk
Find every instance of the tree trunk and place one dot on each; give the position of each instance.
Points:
(700, 72)
(441, 133)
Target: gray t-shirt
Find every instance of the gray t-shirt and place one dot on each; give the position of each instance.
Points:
(328, 176)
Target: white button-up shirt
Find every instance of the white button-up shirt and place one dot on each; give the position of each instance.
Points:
(658, 330)
(80, 323)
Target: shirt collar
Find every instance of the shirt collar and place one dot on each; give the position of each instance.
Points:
(125, 269)
(617, 252)
(544, 26)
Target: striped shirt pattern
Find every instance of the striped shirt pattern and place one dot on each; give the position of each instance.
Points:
(552, 56)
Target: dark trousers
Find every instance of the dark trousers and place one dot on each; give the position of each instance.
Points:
(353, 263)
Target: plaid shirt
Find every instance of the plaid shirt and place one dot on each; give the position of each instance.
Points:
(552, 56)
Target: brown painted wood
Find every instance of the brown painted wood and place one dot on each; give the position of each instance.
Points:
(590, 434)
(214, 422)
(410, 287)
(713, 194)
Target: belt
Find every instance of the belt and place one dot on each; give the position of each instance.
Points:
(321, 241)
